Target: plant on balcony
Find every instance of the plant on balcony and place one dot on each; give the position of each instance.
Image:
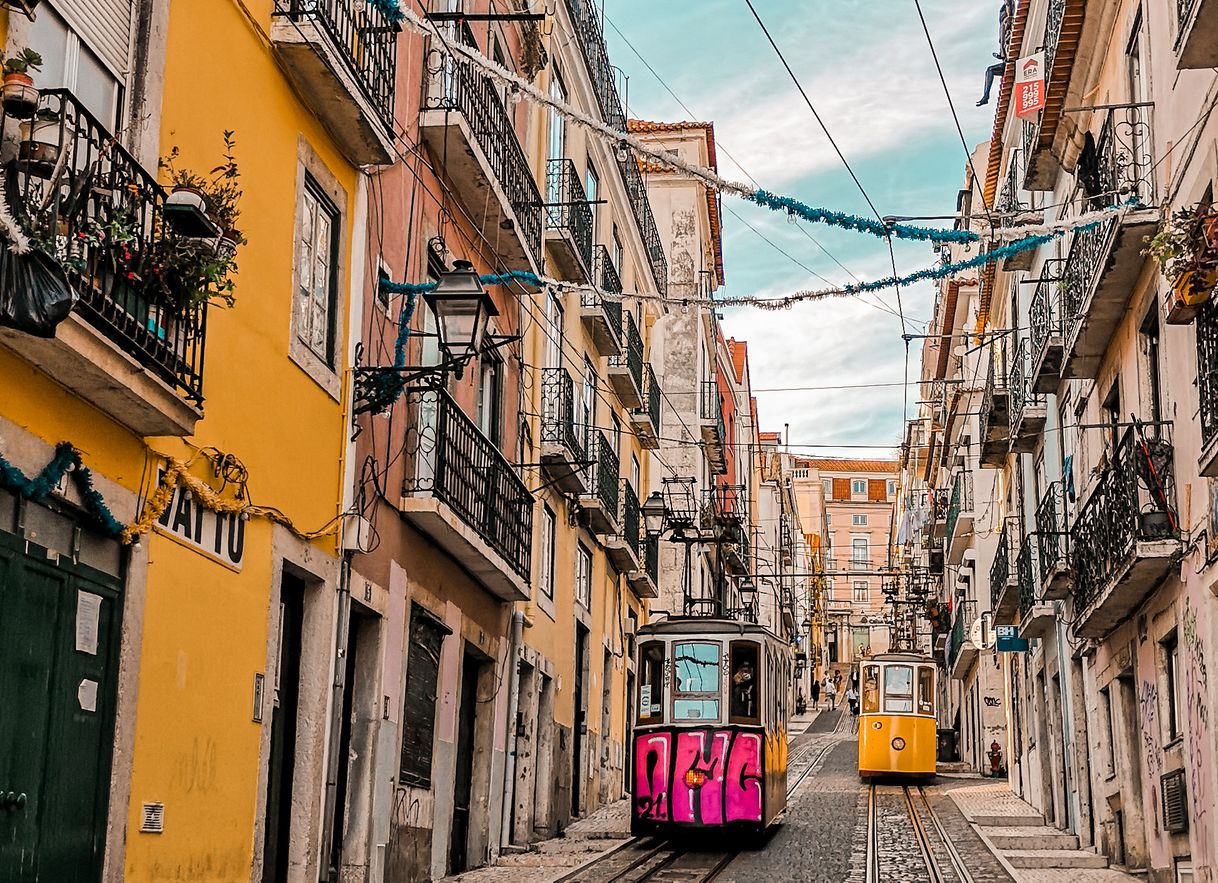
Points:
(41, 138)
(1186, 249)
(20, 96)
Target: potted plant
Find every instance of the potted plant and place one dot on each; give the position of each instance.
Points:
(20, 96)
(40, 142)
(1186, 249)
(223, 193)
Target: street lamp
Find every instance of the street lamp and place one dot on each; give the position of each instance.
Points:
(463, 310)
(654, 512)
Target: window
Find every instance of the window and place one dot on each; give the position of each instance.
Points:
(419, 707)
(554, 334)
(651, 682)
(557, 137)
(1171, 662)
(828, 518)
(858, 551)
(743, 705)
(898, 689)
(592, 190)
(858, 520)
(635, 475)
(316, 251)
(619, 252)
(71, 63)
(615, 435)
(871, 689)
(828, 485)
(926, 690)
(545, 570)
(490, 397)
(583, 576)
(1109, 750)
(587, 406)
(696, 689)
(858, 486)
(892, 487)
(860, 590)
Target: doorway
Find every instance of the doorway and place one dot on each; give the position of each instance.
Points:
(284, 713)
(580, 727)
(463, 785)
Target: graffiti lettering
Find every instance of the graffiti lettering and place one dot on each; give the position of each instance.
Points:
(1196, 701)
(992, 701)
(709, 776)
(1148, 704)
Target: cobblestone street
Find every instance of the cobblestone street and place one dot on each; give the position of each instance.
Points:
(824, 834)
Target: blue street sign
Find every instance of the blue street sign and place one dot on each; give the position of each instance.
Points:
(1010, 644)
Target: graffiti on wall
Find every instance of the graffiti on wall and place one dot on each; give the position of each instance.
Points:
(1196, 704)
(1148, 705)
(702, 777)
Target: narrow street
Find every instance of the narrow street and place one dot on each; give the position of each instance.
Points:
(959, 829)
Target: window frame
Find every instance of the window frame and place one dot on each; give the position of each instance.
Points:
(855, 489)
(888, 696)
(676, 694)
(755, 649)
(648, 666)
(856, 586)
(583, 575)
(1170, 647)
(858, 520)
(420, 619)
(548, 535)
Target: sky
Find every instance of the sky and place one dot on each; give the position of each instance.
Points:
(868, 70)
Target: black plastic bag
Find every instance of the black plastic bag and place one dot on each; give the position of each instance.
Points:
(35, 295)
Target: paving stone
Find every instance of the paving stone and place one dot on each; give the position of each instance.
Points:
(1030, 837)
(1054, 858)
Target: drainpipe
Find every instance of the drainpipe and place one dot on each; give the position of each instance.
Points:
(509, 765)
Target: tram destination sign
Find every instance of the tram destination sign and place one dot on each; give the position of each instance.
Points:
(1008, 640)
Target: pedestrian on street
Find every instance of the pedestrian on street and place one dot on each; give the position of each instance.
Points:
(816, 694)
(852, 696)
(830, 693)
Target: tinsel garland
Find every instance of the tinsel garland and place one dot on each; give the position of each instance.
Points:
(66, 460)
(856, 222)
(391, 9)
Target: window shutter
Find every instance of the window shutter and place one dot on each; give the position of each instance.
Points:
(841, 489)
(1175, 801)
(419, 708)
(104, 26)
(877, 490)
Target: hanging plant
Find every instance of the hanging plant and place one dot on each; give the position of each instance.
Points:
(20, 96)
(1186, 249)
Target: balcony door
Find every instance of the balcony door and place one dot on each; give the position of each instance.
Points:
(556, 145)
(84, 45)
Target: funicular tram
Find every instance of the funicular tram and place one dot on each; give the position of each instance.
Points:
(710, 742)
(897, 729)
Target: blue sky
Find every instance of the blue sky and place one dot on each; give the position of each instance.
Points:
(869, 72)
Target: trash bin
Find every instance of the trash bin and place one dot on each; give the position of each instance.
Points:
(947, 751)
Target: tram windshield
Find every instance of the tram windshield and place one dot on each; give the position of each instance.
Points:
(696, 695)
(871, 689)
(898, 688)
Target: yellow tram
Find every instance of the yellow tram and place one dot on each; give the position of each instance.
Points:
(897, 729)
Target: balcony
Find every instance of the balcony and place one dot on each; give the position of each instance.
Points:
(1105, 261)
(1036, 617)
(600, 503)
(995, 417)
(601, 316)
(591, 39)
(1053, 544)
(1207, 385)
(462, 492)
(645, 421)
(562, 438)
(1012, 204)
(623, 548)
(1063, 29)
(1125, 539)
(960, 517)
(1004, 584)
(940, 500)
(962, 653)
(1046, 329)
(467, 129)
(128, 348)
(626, 370)
(1197, 40)
(568, 221)
(714, 434)
(342, 57)
(725, 514)
(646, 582)
(1028, 412)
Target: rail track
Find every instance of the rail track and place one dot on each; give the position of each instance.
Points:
(907, 841)
(654, 860)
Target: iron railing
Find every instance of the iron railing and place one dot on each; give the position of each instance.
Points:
(558, 419)
(607, 280)
(1207, 370)
(1001, 569)
(651, 558)
(1051, 534)
(1054, 16)
(1044, 313)
(605, 484)
(1134, 500)
(940, 497)
(471, 93)
(1184, 12)
(631, 357)
(585, 15)
(449, 458)
(567, 206)
(1020, 386)
(651, 397)
(958, 635)
(962, 501)
(91, 206)
(628, 522)
(1009, 201)
(365, 39)
(995, 385)
(1026, 575)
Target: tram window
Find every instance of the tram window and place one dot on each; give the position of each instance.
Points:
(898, 689)
(926, 690)
(696, 693)
(871, 689)
(651, 681)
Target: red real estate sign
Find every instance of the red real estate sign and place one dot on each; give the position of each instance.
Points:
(1030, 85)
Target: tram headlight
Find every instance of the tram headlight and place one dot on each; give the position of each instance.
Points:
(898, 743)
(694, 778)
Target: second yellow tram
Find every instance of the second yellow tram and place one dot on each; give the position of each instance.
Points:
(897, 729)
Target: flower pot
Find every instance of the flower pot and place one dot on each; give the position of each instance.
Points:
(40, 146)
(226, 245)
(20, 96)
(186, 211)
(1154, 525)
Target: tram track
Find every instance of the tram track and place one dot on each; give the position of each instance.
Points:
(909, 845)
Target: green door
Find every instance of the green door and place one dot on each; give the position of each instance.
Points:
(59, 648)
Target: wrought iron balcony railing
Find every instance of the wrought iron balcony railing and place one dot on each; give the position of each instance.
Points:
(567, 206)
(1134, 500)
(592, 41)
(629, 525)
(82, 186)
(958, 635)
(1207, 371)
(450, 459)
(1051, 534)
(1184, 11)
(962, 500)
(558, 419)
(651, 397)
(1027, 405)
(1026, 574)
(1045, 310)
(1001, 569)
(605, 479)
(366, 41)
(651, 561)
(1009, 201)
(608, 281)
(632, 353)
(467, 91)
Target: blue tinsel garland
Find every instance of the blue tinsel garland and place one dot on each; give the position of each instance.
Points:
(390, 9)
(40, 487)
(856, 222)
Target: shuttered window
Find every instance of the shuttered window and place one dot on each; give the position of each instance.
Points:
(104, 25)
(1175, 801)
(419, 708)
(841, 489)
(877, 490)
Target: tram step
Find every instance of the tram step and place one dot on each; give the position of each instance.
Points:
(1054, 858)
(1030, 837)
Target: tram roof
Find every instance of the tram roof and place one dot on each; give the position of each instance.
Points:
(899, 657)
(692, 625)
